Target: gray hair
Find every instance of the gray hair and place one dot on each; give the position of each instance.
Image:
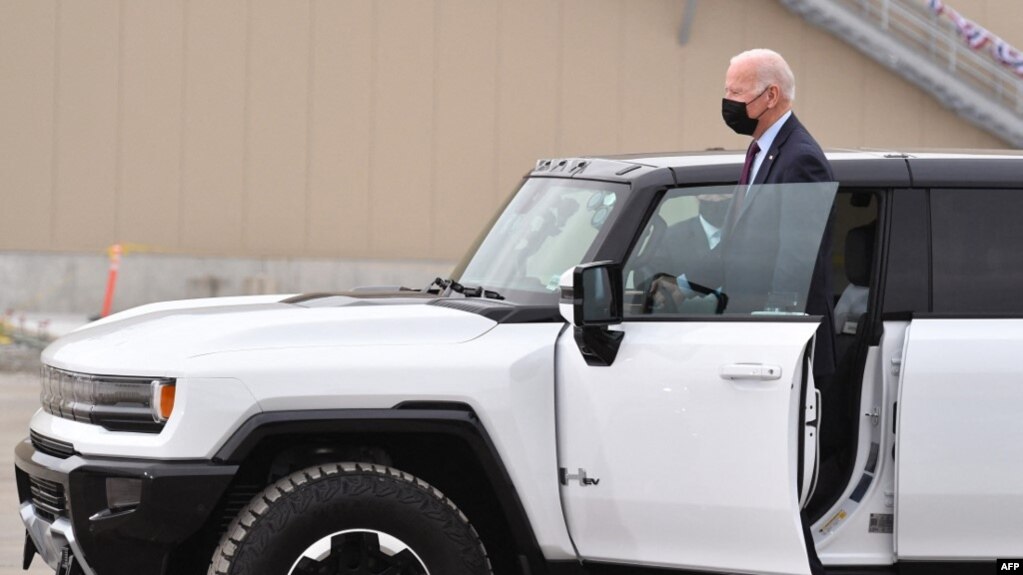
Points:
(771, 69)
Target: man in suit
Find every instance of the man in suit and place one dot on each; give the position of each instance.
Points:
(690, 246)
(759, 90)
(762, 253)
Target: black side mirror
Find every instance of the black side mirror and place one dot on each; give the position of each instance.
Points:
(595, 295)
(598, 294)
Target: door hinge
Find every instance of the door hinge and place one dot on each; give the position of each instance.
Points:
(875, 416)
(896, 366)
(564, 477)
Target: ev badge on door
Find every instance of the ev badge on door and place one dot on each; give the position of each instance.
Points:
(581, 476)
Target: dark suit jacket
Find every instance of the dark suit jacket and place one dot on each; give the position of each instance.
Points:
(686, 250)
(794, 157)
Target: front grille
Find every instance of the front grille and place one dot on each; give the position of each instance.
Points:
(50, 446)
(48, 498)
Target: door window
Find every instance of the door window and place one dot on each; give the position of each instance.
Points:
(726, 250)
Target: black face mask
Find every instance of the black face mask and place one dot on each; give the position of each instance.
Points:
(737, 117)
(714, 212)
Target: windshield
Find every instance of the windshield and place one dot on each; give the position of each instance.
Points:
(550, 225)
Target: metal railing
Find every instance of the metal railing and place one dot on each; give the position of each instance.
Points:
(926, 49)
(936, 37)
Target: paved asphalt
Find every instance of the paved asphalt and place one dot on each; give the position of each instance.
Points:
(19, 399)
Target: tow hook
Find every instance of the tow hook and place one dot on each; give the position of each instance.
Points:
(68, 565)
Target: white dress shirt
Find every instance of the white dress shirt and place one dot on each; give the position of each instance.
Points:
(713, 233)
(713, 239)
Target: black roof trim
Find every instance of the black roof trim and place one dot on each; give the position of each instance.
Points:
(975, 172)
(889, 172)
(599, 169)
(718, 174)
(974, 168)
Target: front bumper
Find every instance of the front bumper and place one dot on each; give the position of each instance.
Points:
(63, 504)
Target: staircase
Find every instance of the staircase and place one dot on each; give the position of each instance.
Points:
(909, 39)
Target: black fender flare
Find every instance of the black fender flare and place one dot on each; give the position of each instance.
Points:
(450, 419)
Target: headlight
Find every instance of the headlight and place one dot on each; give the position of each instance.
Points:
(117, 403)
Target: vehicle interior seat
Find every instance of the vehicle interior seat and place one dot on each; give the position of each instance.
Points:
(859, 258)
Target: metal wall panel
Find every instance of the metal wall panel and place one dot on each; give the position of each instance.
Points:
(277, 127)
(342, 129)
(150, 138)
(382, 129)
(27, 65)
(88, 115)
(213, 170)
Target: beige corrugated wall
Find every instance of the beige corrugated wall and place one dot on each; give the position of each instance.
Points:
(386, 128)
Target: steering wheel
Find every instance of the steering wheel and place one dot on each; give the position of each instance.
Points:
(648, 301)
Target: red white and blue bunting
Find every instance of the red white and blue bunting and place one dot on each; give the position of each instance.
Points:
(978, 37)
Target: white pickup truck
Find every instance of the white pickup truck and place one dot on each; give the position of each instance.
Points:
(548, 409)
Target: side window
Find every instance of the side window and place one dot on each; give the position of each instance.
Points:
(711, 251)
(977, 250)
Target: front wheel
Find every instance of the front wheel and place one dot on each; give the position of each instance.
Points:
(350, 519)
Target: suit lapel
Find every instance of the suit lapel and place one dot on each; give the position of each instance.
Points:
(776, 146)
(768, 164)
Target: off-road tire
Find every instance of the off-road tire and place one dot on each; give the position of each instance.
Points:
(279, 524)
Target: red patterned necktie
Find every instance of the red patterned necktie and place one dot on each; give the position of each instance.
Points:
(740, 190)
(751, 155)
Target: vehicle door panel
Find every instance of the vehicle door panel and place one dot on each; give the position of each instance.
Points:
(668, 460)
(960, 440)
(694, 471)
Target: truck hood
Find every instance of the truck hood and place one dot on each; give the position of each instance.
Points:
(159, 339)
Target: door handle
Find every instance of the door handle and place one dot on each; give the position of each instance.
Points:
(750, 371)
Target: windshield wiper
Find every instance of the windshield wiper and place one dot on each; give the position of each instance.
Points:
(449, 285)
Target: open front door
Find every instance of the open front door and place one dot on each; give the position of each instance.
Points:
(687, 450)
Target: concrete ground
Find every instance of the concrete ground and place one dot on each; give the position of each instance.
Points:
(19, 399)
